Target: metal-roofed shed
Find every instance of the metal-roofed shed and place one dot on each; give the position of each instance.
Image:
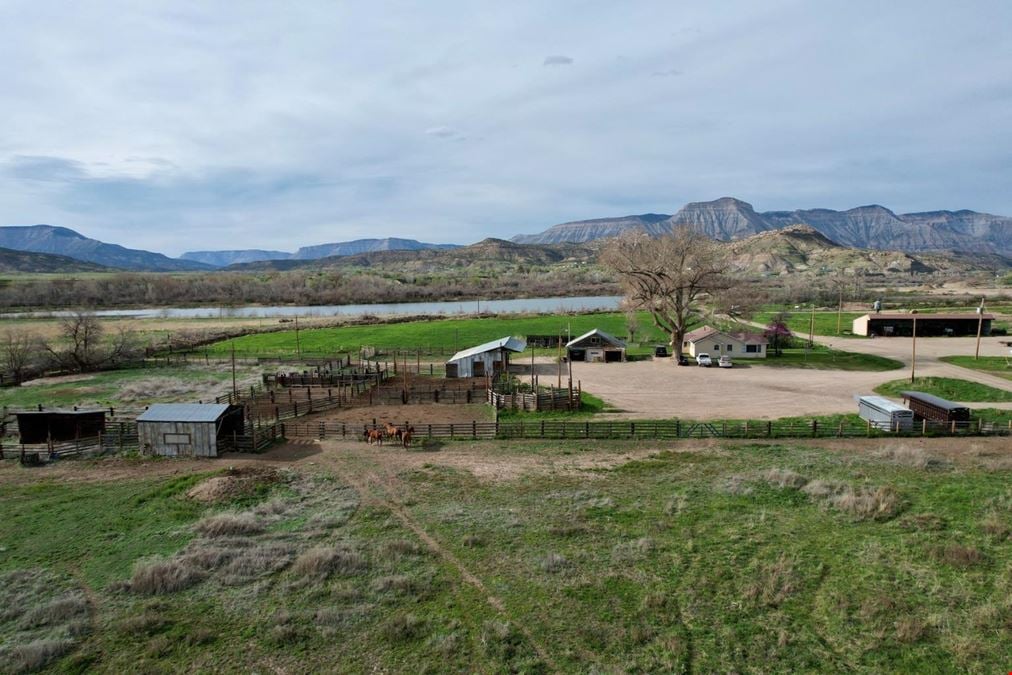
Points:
(188, 429)
(489, 358)
(596, 345)
(54, 426)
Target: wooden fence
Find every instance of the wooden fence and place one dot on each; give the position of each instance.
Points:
(553, 399)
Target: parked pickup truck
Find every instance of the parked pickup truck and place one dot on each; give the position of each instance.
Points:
(724, 361)
(703, 360)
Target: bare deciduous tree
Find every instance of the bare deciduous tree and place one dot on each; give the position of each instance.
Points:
(18, 350)
(669, 277)
(82, 346)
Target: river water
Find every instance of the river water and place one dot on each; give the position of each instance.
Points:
(530, 305)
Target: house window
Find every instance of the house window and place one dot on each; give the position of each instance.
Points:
(730, 348)
(753, 349)
(685, 344)
(716, 348)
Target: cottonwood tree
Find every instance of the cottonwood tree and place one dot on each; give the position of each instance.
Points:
(670, 277)
(83, 347)
(18, 351)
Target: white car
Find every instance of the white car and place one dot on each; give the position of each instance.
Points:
(703, 360)
(724, 361)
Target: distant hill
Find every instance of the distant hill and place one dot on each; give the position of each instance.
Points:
(872, 227)
(486, 252)
(66, 242)
(28, 262)
(343, 248)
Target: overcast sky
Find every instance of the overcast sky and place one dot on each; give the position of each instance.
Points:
(179, 125)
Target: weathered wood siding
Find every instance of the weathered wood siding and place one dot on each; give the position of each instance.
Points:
(178, 439)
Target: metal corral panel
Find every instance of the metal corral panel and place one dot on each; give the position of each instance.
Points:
(885, 414)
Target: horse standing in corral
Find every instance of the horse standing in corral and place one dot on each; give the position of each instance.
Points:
(406, 436)
(373, 436)
(393, 431)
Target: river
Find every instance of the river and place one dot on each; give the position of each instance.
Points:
(518, 305)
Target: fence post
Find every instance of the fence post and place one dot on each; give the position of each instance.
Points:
(924, 426)
(815, 428)
(769, 428)
(474, 428)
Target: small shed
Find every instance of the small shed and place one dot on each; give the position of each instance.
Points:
(934, 408)
(596, 346)
(899, 324)
(188, 429)
(716, 343)
(885, 414)
(490, 358)
(57, 426)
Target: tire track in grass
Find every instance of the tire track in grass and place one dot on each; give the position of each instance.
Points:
(379, 496)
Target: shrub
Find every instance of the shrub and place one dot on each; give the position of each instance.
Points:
(403, 627)
(38, 654)
(868, 503)
(774, 583)
(229, 524)
(321, 562)
(60, 610)
(473, 541)
(257, 561)
(784, 478)
(499, 639)
(553, 562)
(163, 576)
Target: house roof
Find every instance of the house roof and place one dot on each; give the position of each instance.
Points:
(708, 331)
(600, 333)
(508, 343)
(183, 412)
(892, 316)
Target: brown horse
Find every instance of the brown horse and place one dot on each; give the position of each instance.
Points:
(392, 431)
(373, 436)
(406, 436)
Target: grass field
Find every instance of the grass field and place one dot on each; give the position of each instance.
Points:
(133, 388)
(740, 558)
(439, 335)
(995, 365)
(824, 358)
(798, 321)
(948, 388)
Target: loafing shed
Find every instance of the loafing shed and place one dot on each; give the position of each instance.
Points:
(490, 358)
(596, 346)
(188, 429)
(54, 426)
(928, 325)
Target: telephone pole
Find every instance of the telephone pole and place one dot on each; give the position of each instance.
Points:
(980, 327)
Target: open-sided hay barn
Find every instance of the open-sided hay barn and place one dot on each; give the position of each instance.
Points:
(928, 325)
(490, 358)
(57, 426)
(596, 346)
(188, 429)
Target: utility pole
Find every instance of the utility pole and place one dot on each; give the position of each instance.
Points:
(235, 388)
(559, 359)
(298, 345)
(913, 348)
(980, 328)
(811, 329)
(839, 312)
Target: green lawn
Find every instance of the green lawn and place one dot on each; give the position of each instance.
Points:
(798, 321)
(742, 558)
(995, 365)
(824, 358)
(948, 388)
(437, 335)
(589, 405)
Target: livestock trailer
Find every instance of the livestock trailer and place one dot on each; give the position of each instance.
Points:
(188, 429)
(885, 414)
(935, 409)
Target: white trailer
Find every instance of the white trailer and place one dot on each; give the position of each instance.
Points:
(885, 414)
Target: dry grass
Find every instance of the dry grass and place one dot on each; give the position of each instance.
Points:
(554, 563)
(229, 525)
(923, 522)
(958, 555)
(38, 654)
(60, 610)
(401, 548)
(257, 561)
(774, 583)
(824, 489)
(784, 478)
(163, 576)
(403, 627)
(145, 623)
(996, 526)
(321, 562)
(910, 629)
(881, 503)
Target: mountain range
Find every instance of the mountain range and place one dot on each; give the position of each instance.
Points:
(29, 262)
(873, 227)
(226, 258)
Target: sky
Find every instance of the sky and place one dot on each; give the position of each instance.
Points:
(179, 125)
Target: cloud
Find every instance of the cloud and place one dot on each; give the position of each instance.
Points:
(44, 169)
(558, 60)
(444, 132)
(670, 72)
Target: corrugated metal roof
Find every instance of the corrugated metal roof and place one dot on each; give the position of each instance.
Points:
(597, 331)
(509, 343)
(183, 412)
(933, 400)
(892, 316)
(884, 404)
(706, 331)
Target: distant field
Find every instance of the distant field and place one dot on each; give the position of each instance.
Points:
(438, 335)
(948, 388)
(592, 557)
(798, 321)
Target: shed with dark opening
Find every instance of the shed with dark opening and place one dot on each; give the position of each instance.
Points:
(935, 409)
(928, 325)
(596, 346)
(57, 426)
(490, 358)
(189, 429)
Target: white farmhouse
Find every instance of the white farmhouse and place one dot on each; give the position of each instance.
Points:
(707, 340)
